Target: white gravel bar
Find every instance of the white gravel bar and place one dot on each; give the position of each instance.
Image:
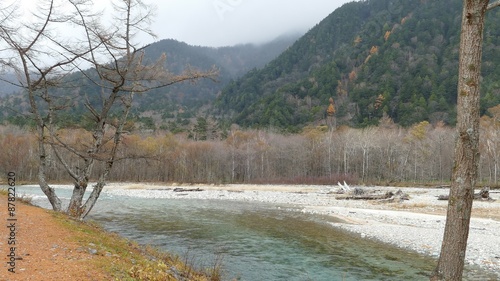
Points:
(416, 224)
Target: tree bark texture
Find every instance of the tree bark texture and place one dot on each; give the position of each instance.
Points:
(451, 260)
(42, 174)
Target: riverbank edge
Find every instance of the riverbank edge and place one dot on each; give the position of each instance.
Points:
(109, 255)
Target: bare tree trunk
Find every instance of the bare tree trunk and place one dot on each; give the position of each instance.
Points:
(42, 173)
(495, 161)
(75, 203)
(451, 260)
(330, 156)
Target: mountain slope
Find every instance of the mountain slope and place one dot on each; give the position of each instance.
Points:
(233, 62)
(375, 58)
(176, 103)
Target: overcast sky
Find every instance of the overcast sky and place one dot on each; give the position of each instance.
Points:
(229, 22)
(222, 22)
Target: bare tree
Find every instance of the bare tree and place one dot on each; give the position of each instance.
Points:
(451, 260)
(490, 142)
(119, 70)
(124, 75)
(39, 60)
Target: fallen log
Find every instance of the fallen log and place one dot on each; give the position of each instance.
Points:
(387, 197)
(443, 197)
(366, 196)
(178, 189)
(483, 195)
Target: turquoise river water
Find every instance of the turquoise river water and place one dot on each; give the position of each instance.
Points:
(255, 241)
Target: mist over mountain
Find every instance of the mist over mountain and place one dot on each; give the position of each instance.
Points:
(187, 100)
(375, 58)
(6, 84)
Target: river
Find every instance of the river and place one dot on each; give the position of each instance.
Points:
(256, 241)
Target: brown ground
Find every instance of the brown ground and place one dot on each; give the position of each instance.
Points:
(45, 246)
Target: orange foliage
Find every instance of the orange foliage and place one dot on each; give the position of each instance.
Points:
(378, 102)
(331, 108)
(353, 75)
(387, 34)
(357, 40)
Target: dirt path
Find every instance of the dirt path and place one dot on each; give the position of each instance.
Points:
(43, 248)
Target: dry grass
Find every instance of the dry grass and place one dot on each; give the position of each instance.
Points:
(126, 260)
(23, 198)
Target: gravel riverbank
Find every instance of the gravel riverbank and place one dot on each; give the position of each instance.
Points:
(416, 224)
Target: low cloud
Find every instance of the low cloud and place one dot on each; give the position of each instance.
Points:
(230, 22)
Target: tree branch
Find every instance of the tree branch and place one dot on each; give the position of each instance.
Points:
(63, 162)
(64, 145)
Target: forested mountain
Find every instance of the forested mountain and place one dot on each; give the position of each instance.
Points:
(187, 98)
(375, 58)
(177, 103)
(6, 87)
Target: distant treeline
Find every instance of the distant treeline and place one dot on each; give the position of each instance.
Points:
(386, 154)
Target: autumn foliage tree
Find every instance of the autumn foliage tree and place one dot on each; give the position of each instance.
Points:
(118, 69)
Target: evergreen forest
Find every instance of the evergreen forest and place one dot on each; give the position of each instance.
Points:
(375, 58)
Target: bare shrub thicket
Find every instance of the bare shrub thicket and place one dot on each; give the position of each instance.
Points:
(420, 154)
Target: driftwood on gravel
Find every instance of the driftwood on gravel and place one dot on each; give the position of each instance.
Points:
(178, 189)
(483, 195)
(360, 194)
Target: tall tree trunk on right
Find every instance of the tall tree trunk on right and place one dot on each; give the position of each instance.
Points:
(464, 175)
